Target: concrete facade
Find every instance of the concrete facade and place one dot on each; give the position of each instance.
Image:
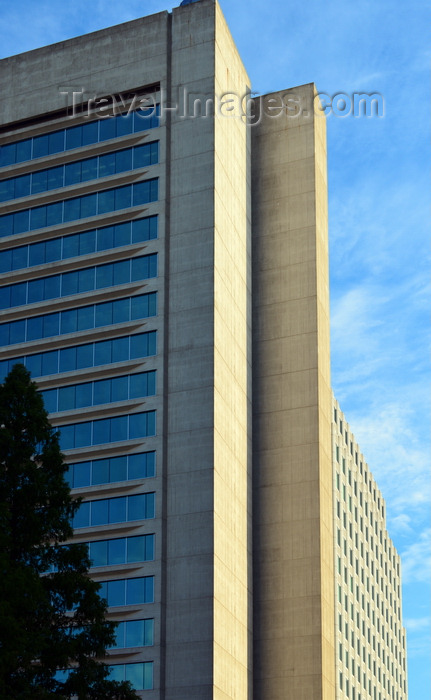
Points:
(239, 559)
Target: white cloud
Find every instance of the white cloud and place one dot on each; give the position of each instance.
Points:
(416, 559)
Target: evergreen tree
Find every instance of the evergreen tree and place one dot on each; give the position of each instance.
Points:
(38, 634)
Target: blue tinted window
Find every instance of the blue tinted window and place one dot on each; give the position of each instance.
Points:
(108, 430)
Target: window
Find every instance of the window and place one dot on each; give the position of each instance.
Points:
(79, 207)
(133, 591)
(83, 318)
(67, 398)
(123, 550)
(107, 511)
(98, 432)
(72, 137)
(140, 675)
(106, 471)
(134, 633)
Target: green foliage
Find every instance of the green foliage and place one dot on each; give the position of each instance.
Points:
(38, 633)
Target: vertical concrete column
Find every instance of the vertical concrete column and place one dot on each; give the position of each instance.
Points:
(292, 528)
(208, 329)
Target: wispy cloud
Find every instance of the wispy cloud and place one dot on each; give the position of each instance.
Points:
(416, 559)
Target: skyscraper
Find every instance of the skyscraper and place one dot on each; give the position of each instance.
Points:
(164, 276)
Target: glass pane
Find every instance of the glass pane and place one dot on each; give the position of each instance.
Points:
(122, 272)
(90, 132)
(100, 471)
(72, 209)
(35, 291)
(86, 279)
(117, 551)
(103, 314)
(123, 160)
(19, 257)
(100, 512)
(107, 165)
(50, 400)
(138, 385)
(50, 362)
(106, 201)
(54, 213)
(120, 349)
(135, 591)
(137, 466)
(117, 510)
(69, 321)
(23, 150)
(83, 434)
(84, 356)
(118, 469)
(120, 310)
(81, 475)
(107, 129)
(122, 234)
(72, 173)
(89, 169)
(116, 593)
(119, 389)
(53, 250)
(67, 357)
(134, 674)
(136, 549)
(34, 328)
(137, 507)
(124, 124)
(149, 589)
(82, 517)
(148, 675)
(116, 673)
(73, 137)
(39, 181)
(102, 391)
(56, 141)
(85, 318)
(148, 632)
(66, 398)
(51, 325)
(119, 428)
(105, 238)
(55, 178)
(40, 146)
(52, 287)
(88, 205)
(83, 395)
(102, 351)
(16, 294)
(22, 186)
(104, 275)
(123, 197)
(101, 431)
(134, 633)
(71, 246)
(37, 218)
(99, 553)
(34, 364)
(87, 242)
(67, 437)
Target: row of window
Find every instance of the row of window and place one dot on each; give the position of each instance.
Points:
(122, 509)
(134, 633)
(76, 244)
(68, 398)
(84, 318)
(78, 281)
(122, 550)
(107, 471)
(139, 675)
(129, 591)
(79, 171)
(71, 137)
(99, 432)
(102, 352)
(75, 208)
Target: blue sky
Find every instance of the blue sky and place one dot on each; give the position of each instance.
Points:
(378, 171)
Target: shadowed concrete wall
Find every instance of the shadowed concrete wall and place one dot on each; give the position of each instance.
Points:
(292, 517)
